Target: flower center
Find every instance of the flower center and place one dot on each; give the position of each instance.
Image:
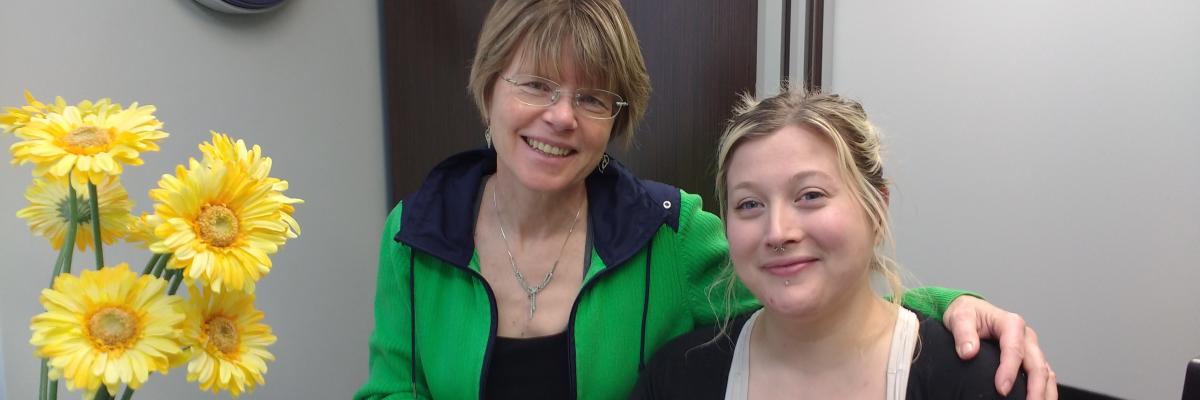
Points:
(218, 225)
(222, 334)
(112, 327)
(86, 137)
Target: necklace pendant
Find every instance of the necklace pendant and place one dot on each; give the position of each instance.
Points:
(532, 303)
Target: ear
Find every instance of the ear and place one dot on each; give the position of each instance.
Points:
(887, 195)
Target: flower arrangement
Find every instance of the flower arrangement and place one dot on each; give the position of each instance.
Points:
(216, 222)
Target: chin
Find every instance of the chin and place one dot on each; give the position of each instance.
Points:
(541, 181)
(795, 301)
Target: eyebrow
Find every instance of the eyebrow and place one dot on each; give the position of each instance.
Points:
(798, 177)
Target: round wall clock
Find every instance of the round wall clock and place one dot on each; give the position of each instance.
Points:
(241, 6)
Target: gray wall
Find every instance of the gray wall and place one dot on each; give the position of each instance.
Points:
(1042, 152)
(1045, 154)
(303, 82)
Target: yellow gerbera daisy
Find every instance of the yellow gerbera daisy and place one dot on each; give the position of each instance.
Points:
(224, 149)
(16, 117)
(48, 210)
(92, 145)
(141, 230)
(108, 327)
(229, 341)
(220, 224)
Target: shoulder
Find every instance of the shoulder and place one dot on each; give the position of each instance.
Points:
(937, 372)
(681, 206)
(688, 215)
(393, 217)
(693, 365)
(391, 226)
(668, 197)
(391, 251)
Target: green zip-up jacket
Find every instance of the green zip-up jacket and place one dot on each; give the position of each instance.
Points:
(655, 255)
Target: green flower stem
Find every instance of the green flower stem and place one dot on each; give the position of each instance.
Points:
(175, 280)
(71, 228)
(102, 394)
(95, 205)
(66, 253)
(162, 264)
(150, 265)
(58, 265)
(42, 384)
(127, 394)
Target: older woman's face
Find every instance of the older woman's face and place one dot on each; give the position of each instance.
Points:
(546, 148)
(798, 238)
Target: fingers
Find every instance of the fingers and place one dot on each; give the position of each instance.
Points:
(1040, 377)
(1010, 329)
(963, 322)
(1052, 386)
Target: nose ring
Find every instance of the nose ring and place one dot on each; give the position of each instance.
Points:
(780, 249)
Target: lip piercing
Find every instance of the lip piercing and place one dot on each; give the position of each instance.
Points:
(786, 283)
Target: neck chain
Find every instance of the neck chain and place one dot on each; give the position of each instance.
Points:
(531, 291)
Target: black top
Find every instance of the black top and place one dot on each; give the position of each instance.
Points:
(688, 368)
(532, 368)
(538, 367)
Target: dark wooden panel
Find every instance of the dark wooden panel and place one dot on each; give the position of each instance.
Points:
(428, 46)
(814, 43)
(700, 54)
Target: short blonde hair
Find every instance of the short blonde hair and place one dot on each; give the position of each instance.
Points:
(606, 50)
(854, 138)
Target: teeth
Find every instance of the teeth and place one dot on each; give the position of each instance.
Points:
(546, 148)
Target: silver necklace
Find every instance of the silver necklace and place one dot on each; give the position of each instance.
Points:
(533, 291)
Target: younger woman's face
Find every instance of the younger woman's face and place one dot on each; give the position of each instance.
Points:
(798, 237)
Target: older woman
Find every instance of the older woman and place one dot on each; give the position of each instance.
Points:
(540, 268)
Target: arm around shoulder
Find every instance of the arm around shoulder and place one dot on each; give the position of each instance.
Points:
(704, 253)
(932, 301)
(938, 373)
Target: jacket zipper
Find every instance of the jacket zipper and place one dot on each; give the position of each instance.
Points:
(487, 353)
(571, 329)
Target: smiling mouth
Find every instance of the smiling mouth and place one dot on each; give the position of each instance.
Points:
(546, 148)
(789, 266)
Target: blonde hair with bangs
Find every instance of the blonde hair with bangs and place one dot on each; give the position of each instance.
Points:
(606, 50)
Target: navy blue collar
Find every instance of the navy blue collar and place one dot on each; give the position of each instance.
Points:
(625, 212)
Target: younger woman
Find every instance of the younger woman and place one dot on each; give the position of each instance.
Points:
(801, 187)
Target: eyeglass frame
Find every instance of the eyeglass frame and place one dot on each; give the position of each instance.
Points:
(619, 104)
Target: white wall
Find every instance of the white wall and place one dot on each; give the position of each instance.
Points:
(1046, 155)
(304, 82)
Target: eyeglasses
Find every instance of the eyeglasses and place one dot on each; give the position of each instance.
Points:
(541, 92)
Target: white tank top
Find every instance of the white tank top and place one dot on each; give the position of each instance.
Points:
(904, 342)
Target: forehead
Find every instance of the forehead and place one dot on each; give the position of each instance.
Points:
(562, 61)
(778, 157)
